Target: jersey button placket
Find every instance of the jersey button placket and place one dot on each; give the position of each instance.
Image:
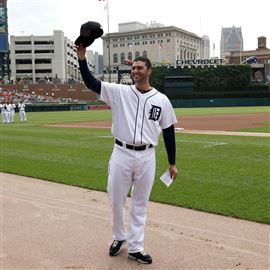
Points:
(140, 122)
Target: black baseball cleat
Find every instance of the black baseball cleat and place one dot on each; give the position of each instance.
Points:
(115, 247)
(140, 257)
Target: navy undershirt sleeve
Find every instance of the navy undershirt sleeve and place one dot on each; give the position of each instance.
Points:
(169, 141)
(90, 81)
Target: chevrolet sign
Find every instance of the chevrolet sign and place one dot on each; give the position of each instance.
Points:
(201, 62)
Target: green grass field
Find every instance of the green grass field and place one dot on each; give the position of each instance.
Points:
(227, 175)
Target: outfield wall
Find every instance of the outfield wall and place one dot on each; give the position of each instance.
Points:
(49, 107)
(220, 102)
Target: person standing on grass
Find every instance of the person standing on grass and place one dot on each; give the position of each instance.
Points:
(139, 114)
(12, 111)
(3, 111)
(21, 107)
(8, 111)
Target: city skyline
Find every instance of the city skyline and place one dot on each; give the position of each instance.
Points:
(41, 17)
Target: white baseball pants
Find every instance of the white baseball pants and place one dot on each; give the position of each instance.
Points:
(4, 118)
(8, 117)
(12, 114)
(136, 169)
(22, 116)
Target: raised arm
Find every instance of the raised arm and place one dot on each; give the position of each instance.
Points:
(90, 81)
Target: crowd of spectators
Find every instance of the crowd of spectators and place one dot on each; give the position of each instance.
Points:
(31, 98)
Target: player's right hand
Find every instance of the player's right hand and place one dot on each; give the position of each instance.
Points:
(81, 51)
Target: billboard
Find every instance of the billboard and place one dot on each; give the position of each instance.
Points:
(3, 43)
(3, 27)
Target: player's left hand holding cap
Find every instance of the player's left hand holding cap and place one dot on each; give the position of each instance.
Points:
(88, 33)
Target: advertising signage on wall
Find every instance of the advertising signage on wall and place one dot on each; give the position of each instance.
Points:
(3, 27)
(3, 44)
(199, 62)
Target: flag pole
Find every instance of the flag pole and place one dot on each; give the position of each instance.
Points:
(109, 45)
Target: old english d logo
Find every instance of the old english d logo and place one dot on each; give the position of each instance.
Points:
(154, 112)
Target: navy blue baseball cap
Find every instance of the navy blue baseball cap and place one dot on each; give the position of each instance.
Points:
(88, 33)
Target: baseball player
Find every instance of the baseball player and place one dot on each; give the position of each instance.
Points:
(12, 111)
(21, 107)
(3, 112)
(139, 113)
(8, 111)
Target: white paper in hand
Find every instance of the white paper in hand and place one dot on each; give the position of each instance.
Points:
(166, 178)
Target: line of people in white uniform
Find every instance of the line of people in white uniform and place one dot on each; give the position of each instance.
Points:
(8, 111)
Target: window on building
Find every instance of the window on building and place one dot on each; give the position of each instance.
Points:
(115, 58)
(24, 71)
(45, 42)
(145, 53)
(44, 51)
(43, 71)
(23, 61)
(137, 54)
(22, 51)
(122, 57)
(24, 42)
(130, 56)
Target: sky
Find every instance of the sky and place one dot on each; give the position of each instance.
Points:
(201, 17)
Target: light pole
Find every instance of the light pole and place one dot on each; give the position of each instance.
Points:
(109, 43)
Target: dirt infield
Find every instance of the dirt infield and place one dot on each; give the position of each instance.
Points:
(46, 225)
(213, 124)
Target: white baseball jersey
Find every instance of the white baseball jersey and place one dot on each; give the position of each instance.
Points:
(3, 112)
(3, 107)
(21, 106)
(137, 117)
(13, 106)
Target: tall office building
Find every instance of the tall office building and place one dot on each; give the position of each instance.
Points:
(4, 50)
(95, 62)
(205, 47)
(231, 40)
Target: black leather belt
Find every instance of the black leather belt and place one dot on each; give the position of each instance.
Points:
(133, 147)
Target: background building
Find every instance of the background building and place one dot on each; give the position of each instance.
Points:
(162, 44)
(205, 47)
(95, 62)
(258, 59)
(4, 50)
(231, 40)
(43, 58)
